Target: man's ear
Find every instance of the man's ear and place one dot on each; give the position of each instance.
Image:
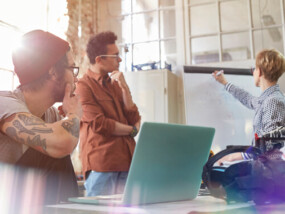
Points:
(259, 72)
(52, 73)
(98, 59)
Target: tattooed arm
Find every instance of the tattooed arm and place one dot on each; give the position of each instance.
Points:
(54, 139)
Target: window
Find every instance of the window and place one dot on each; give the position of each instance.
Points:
(45, 14)
(9, 39)
(233, 30)
(146, 31)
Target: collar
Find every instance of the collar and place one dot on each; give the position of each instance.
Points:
(268, 92)
(18, 92)
(98, 77)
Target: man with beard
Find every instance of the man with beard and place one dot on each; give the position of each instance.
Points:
(33, 134)
(110, 119)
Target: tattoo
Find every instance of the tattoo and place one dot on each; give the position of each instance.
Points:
(41, 130)
(28, 121)
(72, 126)
(36, 141)
(11, 132)
(32, 131)
(21, 128)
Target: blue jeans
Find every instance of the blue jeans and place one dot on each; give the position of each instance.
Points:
(105, 183)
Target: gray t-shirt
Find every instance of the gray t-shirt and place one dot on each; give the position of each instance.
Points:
(12, 102)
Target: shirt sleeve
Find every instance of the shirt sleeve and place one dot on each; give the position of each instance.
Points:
(132, 114)
(246, 156)
(243, 96)
(10, 105)
(93, 113)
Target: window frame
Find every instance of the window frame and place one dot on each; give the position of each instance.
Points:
(159, 40)
(251, 29)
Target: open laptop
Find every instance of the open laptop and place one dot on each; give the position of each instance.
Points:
(167, 166)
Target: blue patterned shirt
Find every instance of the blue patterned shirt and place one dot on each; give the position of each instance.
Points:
(269, 108)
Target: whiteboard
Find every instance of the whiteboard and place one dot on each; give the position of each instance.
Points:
(209, 104)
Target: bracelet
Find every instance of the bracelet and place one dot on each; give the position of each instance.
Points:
(134, 132)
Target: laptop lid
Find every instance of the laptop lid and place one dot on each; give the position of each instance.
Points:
(167, 163)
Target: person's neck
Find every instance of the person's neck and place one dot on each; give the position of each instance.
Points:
(265, 84)
(97, 70)
(38, 101)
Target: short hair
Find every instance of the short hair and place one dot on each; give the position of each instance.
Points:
(38, 83)
(271, 64)
(97, 44)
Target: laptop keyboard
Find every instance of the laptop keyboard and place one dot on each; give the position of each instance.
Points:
(118, 197)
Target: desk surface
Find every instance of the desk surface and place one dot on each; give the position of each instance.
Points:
(201, 205)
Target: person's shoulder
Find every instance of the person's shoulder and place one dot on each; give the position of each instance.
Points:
(11, 102)
(10, 96)
(275, 99)
(276, 95)
(87, 84)
(83, 77)
(85, 80)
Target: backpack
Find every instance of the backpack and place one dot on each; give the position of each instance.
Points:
(261, 180)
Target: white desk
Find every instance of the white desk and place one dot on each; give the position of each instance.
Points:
(202, 204)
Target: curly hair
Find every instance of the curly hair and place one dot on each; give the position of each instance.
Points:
(97, 44)
(271, 64)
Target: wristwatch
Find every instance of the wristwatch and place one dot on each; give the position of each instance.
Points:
(134, 132)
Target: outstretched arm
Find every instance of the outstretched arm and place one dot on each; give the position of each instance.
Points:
(220, 77)
(243, 96)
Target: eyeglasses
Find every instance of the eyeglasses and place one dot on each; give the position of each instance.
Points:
(74, 69)
(113, 56)
(252, 70)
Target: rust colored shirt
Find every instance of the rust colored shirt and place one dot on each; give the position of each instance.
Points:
(102, 105)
